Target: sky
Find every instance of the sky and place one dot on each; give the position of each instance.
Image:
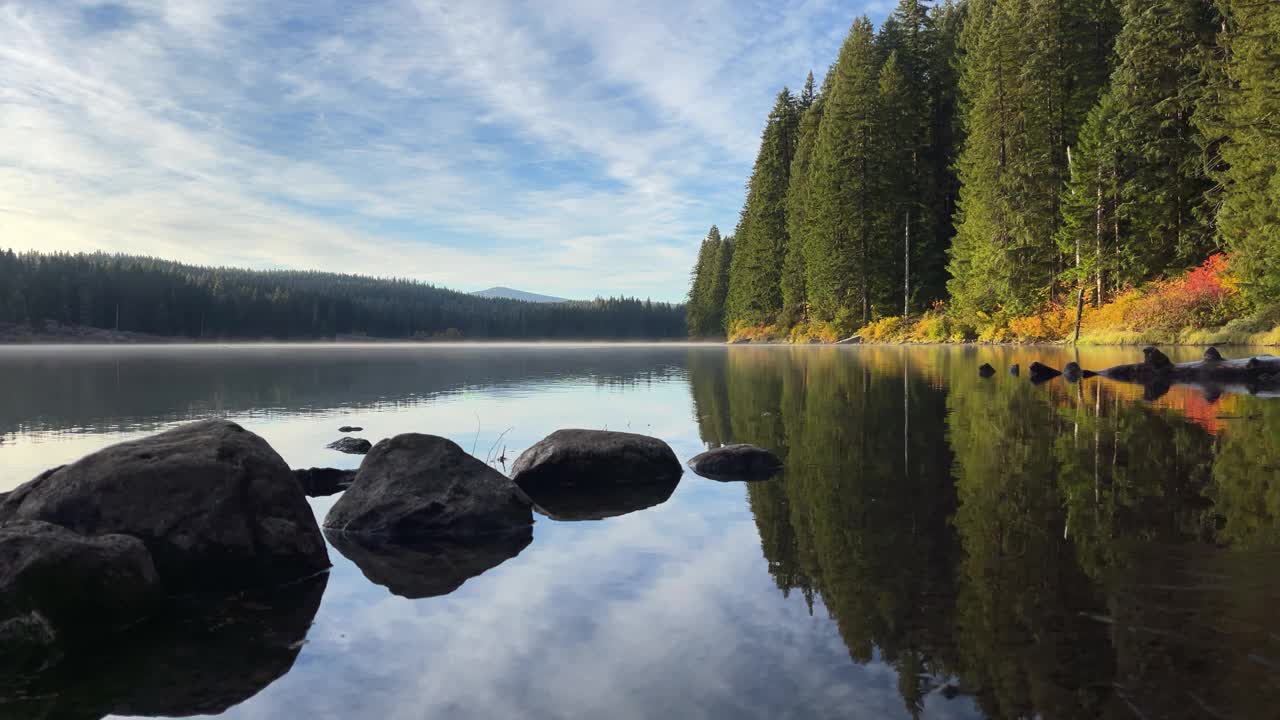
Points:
(569, 147)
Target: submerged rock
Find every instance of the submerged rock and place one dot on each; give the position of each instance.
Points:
(1014, 369)
(351, 446)
(583, 458)
(985, 370)
(598, 502)
(320, 482)
(429, 567)
(737, 462)
(216, 507)
(413, 486)
(1040, 373)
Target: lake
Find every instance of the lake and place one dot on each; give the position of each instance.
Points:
(938, 546)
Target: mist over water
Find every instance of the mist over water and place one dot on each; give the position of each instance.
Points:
(939, 545)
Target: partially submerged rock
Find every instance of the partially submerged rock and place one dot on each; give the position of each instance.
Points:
(350, 429)
(582, 458)
(320, 482)
(429, 567)
(1040, 373)
(414, 486)
(351, 446)
(1262, 371)
(737, 462)
(985, 370)
(216, 507)
(1014, 369)
(1072, 372)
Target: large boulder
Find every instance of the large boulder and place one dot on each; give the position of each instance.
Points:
(429, 567)
(413, 486)
(216, 507)
(736, 462)
(583, 458)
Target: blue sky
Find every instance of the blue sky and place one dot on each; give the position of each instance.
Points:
(570, 147)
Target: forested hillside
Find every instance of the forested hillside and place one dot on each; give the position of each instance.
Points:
(145, 295)
(973, 165)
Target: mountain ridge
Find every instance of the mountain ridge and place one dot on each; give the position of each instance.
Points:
(507, 293)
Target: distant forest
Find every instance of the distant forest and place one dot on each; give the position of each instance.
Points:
(999, 157)
(157, 297)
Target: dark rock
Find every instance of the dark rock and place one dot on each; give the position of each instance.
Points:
(81, 586)
(1072, 372)
(349, 429)
(1088, 374)
(985, 370)
(202, 656)
(1212, 355)
(28, 644)
(319, 482)
(1014, 369)
(413, 486)
(216, 507)
(1040, 373)
(1155, 359)
(597, 502)
(429, 567)
(351, 446)
(582, 458)
(738, 462)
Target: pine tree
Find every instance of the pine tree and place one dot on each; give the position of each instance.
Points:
(755, 290)
(701, 313)
(843, 186)
(807, 94)
(1164, 213)
(720, 288)
(1245, 117)
(1031, 70)
(799, 227)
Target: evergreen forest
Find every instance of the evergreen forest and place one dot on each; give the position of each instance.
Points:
(975, 163)
(157, 297)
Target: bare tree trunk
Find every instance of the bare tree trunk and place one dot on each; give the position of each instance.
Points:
(906, 266)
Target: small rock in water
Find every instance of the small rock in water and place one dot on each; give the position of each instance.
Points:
(1212, 355)
(1040, 373)
(349, 428)
(581, 458)
(986, 371)
(1156, 359)
(1014, 369)
(1072, 372)
(319, 482)
(351, 446)
(736, 462)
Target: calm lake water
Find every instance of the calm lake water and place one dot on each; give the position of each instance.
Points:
(938, 546)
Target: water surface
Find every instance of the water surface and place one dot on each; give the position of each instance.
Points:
(938, 546)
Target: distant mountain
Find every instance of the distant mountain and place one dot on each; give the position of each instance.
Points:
(512, 294)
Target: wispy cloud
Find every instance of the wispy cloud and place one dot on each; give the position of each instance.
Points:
(576, 147)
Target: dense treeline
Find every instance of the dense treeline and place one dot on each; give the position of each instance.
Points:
(158, 297)
(1007, 156)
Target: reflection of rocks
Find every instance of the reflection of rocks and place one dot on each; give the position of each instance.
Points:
(985, 370)
(736, 462)
(599, 502)
(1040, 372)
(351, 445)
(202, 659)
(319, 482)
(214, 504)
(429, 568)
(413, 486)
(583, 458)
(59, 588)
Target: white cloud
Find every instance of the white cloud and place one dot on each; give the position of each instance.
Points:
(573, 147)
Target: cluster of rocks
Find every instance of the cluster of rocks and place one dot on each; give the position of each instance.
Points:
(208, 509)
(1156, 369)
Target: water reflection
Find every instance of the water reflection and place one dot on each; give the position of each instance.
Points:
(598, 501)
(430, 567)
(202, 657)
(1060, 551)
